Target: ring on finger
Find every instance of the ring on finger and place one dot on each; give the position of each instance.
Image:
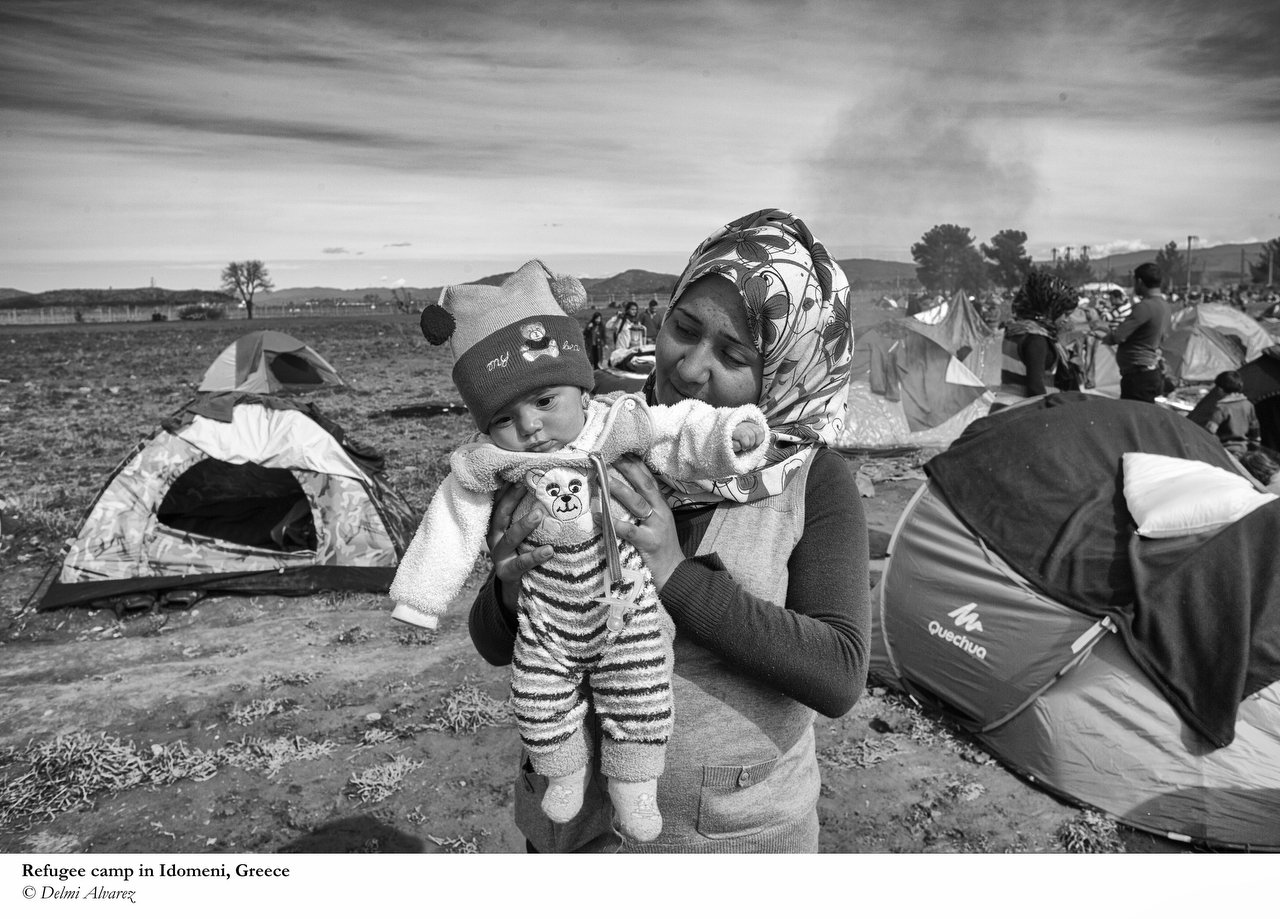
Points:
(645, 517)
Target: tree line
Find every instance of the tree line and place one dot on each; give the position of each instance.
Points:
(948, 259)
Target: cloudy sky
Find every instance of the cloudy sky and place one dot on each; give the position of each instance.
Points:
(356, 143)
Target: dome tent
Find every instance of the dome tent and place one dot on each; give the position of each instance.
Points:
(269, 362)
(1247, 335)
(1137, 676)
(239, 492)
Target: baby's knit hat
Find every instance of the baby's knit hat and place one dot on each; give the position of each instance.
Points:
(512, 339)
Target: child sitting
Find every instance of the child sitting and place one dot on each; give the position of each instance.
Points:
(591, 630)
(1226, 411)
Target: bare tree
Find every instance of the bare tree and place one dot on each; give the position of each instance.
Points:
(404, 298)
(244, 279)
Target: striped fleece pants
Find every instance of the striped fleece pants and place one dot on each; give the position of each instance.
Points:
(568, 663)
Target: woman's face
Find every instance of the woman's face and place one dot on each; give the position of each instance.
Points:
(704, 348)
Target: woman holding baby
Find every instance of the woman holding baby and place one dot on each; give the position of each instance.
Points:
(764, 574)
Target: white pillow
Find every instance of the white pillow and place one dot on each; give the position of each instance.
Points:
(1168, 496)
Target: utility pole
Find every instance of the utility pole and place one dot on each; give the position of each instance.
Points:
(1055, 256)
(1190, 240)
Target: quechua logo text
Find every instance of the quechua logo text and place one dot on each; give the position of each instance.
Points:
(964, 622)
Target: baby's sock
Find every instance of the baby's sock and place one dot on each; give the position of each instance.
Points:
(564, 794)
(636, 804)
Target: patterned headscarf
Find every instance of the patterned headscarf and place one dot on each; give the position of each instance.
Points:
(796, 300)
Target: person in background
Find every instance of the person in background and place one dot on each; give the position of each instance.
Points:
(1263, 468)
(593, 334)
(1032, 352)
(626, 314)
(1226, 411)
(1139, 337)
(651, 319)
(1115, 309)
(611, 324)
(765, 575)
(630, 332)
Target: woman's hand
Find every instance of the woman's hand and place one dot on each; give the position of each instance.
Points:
(645, 520)
(505, 537)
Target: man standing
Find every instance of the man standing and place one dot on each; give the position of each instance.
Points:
(1139, 337)
(651, 320)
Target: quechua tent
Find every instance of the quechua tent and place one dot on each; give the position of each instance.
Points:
(1136, 676)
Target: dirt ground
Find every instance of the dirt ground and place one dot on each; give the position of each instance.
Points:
(314, 724)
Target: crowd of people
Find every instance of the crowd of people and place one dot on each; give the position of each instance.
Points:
(626, 328)
(1048, 350)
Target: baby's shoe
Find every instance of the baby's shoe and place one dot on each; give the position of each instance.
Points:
(564, 794)
(636, 805)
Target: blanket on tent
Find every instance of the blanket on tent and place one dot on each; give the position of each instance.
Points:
(1206, 621)
(1041, 484)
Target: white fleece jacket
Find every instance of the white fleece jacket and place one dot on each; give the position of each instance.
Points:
(687, 441)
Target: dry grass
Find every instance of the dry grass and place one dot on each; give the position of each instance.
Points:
(465, 709)
(380, 782)
(859, 754)
(1090, 832)
(269, 756)
(66, 773)
(296, 678)
(456, 844)
(247, 713)
(375, 736)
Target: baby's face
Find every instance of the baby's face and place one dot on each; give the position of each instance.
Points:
(541, 421)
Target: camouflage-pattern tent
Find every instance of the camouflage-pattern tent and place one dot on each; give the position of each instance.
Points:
(239, 492)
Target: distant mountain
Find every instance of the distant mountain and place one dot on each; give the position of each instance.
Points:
(8, 293)
(140, 296)
(1211, 265)
(634, 282)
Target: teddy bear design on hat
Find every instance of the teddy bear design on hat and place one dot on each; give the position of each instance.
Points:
(589, 616)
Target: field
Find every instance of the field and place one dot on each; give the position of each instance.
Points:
(272, 724)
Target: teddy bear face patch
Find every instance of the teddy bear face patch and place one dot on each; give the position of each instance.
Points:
(562, 491)
(536, 342)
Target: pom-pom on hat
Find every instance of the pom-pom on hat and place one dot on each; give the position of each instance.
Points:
(511, 339)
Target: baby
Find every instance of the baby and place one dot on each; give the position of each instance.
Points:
(592, 634)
